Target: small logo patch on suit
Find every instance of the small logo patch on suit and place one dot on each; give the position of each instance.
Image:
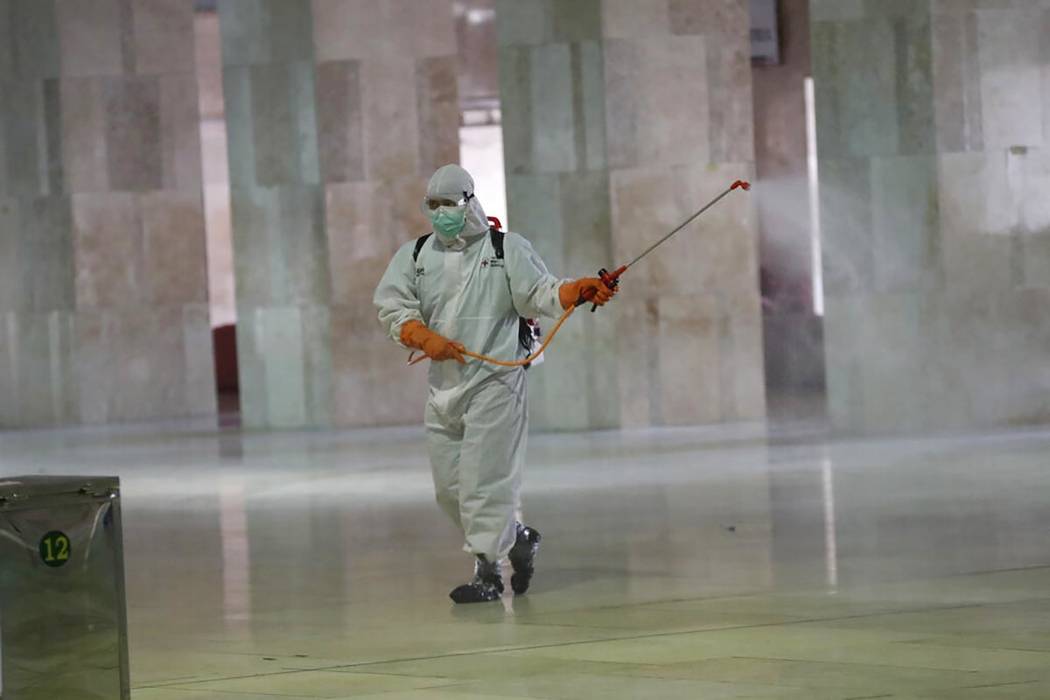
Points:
(419, 271)
(491, 262)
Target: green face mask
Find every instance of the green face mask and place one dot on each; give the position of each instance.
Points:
(448, 221)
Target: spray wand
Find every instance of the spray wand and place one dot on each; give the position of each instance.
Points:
(610, 279)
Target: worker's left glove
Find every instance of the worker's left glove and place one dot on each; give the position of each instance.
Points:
(571, 292)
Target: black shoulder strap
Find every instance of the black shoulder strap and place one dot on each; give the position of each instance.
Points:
(419, 245)
(496, 236)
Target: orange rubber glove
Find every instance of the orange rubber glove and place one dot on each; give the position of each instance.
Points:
(436, 346)
(569, 293)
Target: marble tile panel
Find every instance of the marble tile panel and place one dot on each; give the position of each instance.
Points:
(642, 202)
(7, 45)
(671, 74)
(586, 220)
(730, 18)
(391, 122)
(837, 10)
(245, 25)
(34, 48)
(401, 208)
(10, 256)
(84, 135)
(200, 397)
(180, 133)
(625, 109)
(339, 118)
(152, 366)
(46, 268)
(1008, 46)
(251, 358)
(534, 202)
(523, 22)
(844, 371)
(9, 405)
(133, 133)
(867, 87)
(258, 271)
(553, 123)
(742, 389)
(302, 245)
(303, 92)
(285, 152)
(589, 105)
(437, 108)
(915, 92)
(44, 348)
(348, 29)
(90, 37)
(371, 385)
(689, 330)
(975, 254)
(427, 34)
(6, 179)
(1044, 60)
(603, 379)
(280, 331)
(555, 388)
(731, 120)
(240, 126)
(23, 131)
(893, 355)
(1034, 166)
(623, 19)
(580, 20)
(289, 31)
(515, 69)
(353, 216)
(174, 249)
(846, 225)
(957, 90)
(163, 35)
(108, 250)
(905, 223)
(317, 369)
(130, 364)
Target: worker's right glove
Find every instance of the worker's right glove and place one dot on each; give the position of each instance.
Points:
(571, 292)
(436, 346)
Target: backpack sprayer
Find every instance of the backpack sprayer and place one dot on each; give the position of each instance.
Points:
(610, 279)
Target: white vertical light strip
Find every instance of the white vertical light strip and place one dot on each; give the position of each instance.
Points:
(814, 198)
(831, 553)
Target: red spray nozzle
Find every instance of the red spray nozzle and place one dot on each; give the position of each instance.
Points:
(742, 184)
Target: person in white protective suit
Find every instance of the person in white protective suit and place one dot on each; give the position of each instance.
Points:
(454, 290)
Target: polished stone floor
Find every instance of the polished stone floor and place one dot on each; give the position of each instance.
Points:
(728, 562)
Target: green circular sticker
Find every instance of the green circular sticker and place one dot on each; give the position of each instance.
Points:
(55, 548)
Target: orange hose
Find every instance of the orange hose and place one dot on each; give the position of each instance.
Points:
(511, 363)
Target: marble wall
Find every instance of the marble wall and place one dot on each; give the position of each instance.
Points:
(103, 292)
(620, 118)
(934, 141)
(337, 112)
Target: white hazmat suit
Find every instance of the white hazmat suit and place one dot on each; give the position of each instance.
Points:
(476, 415)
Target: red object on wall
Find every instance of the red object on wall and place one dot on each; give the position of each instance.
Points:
(224, 341)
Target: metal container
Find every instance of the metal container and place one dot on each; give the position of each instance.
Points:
(63, 617)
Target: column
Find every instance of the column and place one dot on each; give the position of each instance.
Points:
(283, 285)
(621, 118)
(104, 292)
(932, 123)
(388, 116)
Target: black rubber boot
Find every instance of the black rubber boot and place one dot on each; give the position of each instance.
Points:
(486, 586)
(522, 557)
